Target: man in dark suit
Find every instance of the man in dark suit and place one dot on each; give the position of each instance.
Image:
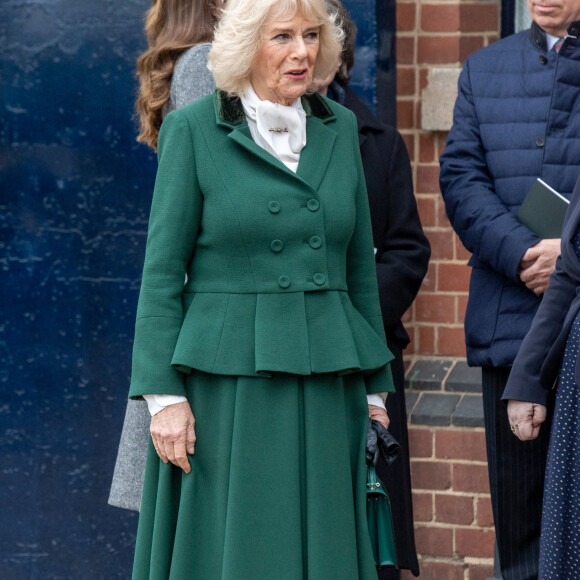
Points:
(516, 119)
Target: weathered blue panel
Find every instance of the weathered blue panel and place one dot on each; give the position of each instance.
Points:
(74, 198)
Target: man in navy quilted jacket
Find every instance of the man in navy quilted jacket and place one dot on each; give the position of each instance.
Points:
(516, 118)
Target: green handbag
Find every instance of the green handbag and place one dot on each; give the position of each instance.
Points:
(380, 520)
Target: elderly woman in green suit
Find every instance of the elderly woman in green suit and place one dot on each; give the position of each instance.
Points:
(261, 369)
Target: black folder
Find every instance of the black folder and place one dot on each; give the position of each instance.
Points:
(543, 210)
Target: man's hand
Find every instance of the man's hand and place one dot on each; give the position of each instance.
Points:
(538, 263)
(525, 419)
(173, 434)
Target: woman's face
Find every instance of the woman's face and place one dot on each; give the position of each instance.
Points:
(285, 63)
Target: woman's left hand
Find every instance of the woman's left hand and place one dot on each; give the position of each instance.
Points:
(379, 414)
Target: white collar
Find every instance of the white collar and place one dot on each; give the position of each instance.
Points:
(279, 129)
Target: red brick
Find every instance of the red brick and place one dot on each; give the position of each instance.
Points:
(453, 278)
(460, 444)
(430, 280)
(484, 512)
(409, 139)
(442, 245)
(435, 308)
(423, 78)
(427, 206)
(440, 17)
(442, 220)
(438, 49)
(461, 308)
(405, 114)
(434, 541)
(450, 341)
(441, 141)
(461, 253)
(427, 179)
(430, 475)
(406, 17)
(475, 543)
(454, 509)
(468, 45)
(408, 316)
(426, 339)
(406, 81)
(420, 442)
(423, 507)
(411, 346)
(480, 572)
(405, 50)
(440, 571)
(470, 478)
(479, 17)
(427, 148)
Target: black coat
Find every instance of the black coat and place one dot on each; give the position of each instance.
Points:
(402, 257)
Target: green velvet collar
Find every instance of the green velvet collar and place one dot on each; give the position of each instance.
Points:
(230, 111)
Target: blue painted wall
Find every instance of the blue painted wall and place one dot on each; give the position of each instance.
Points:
(74, 199)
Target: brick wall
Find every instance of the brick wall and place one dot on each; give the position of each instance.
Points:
(453, 521)
(436, 34)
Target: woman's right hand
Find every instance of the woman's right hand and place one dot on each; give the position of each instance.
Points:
(525, 419)
(173, 434)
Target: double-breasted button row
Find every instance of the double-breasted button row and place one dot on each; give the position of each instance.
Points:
(285, 282)
(312, 205)
(315, 242)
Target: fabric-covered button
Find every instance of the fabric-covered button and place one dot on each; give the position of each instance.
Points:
(319, 279)
(277, 245)
(540, 141)
(543, 59)
(274, 206)
(315, 242)
(313, 205)
(284, 282)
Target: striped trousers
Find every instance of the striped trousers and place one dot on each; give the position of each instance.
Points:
(516, 479)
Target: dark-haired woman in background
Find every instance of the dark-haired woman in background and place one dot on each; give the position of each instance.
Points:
(402, 256)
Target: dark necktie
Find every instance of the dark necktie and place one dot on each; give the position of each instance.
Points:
(558, 44)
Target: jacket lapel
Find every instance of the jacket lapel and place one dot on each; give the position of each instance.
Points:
(315, 156)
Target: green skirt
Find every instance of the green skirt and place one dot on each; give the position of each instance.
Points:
(276, 490)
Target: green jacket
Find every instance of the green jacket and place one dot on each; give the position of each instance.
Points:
(278, 267)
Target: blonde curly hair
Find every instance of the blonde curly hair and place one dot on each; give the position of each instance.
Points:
(238, 37)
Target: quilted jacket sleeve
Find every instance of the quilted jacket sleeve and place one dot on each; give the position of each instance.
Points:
(525, 382)
(482, 221)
